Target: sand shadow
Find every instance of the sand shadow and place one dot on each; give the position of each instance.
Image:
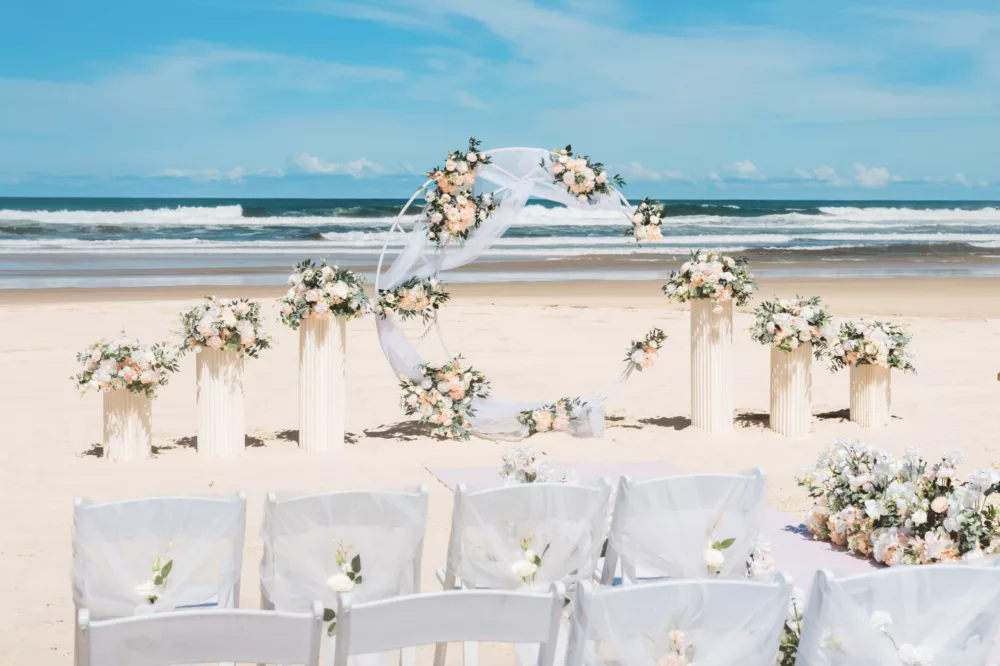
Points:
(842, 414)
(403, 431)
(675, 422)
(188, 442)
(253, 442)
(753, 420)
(293, 436)
(95, 450)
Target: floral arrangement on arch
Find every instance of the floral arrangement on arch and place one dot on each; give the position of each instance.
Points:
(581, 178)
(647, 220)
(905, 511)
(644, 353)
(453, 209)
(872, 343)
(443, 396)
(787, 324)
(417, 297)
(125, 364)
(229, 325)
(320, 291)
(557, 417)
(712, 275)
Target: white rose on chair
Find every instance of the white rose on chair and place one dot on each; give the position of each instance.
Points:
(340, 583)
(713, 555)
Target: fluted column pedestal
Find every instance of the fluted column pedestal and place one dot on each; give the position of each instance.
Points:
(322, 383)
(128, 433)
(711, 366)
(221, 424)
(791, 391)
(871, 395)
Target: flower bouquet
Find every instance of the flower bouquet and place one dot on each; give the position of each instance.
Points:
(872, 343)
(125, 364)
(339, 583)
(714, 276)
(647, 220)
(785, 325)
(226, 325)
(558, 416)
(453, 209)
(580, 177)
(520, 466)
(644, 353)
(443, 397)
(414, 298)
(320, 291)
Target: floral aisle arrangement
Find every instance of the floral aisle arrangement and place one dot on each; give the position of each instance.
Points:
(787, 324)
(321, 292)
(556, 417)
(228, 325)
(647, 220)
(125, 364)
(904, 511)
(527, 567)
(712, 275)
(152, 589)
(417, 297)
(872, 343)
(443, 397)
(349, 576)
(520, 465)
(644, 353)
(581, 178)
(453, 210)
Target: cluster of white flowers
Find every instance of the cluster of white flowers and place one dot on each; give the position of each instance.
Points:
(443, 397)
(647, 220)
(872, 343)
(153, 589)
(321, 291)
(125, 364)
(644, 353)
(678, 653)
(527, 567)
(581, 178)
(416, 297)
(521, 465)
(712, 275)
(231, 325)
(557, 417)
(787, 324)
(453, 210)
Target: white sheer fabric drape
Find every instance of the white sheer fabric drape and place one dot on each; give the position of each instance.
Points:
(911, 616)
(115, 545)
(515, 175)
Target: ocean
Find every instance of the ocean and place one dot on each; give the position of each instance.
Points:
(99, 242)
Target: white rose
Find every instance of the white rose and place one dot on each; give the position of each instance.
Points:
(471, 157)
(638, 357)
(436, 217)
(340, 289)
(714, 559)
(450, 165)
(602, 177)
(637, 218)
(340, 583)
(939, 505)
(529, 555)
(919, 517)
(881, 619)
(463, 167)
(524, 569)
(146, 590)
(95, 355)
(911, 655)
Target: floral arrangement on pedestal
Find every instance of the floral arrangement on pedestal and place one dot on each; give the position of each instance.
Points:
(581, 178)
(644, 353)
(230, 325)
(902, 512)
(872, 343)
(453, 210)
(443, 396)
(787, 324)
(556, 417)
(125, 364)
(647, 220)
(520, 465)
(712, 275)
(321, 291)
(417, 297)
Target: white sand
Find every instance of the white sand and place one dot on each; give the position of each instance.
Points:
(533, 341)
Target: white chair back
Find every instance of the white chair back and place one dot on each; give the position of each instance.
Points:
(199, 636)
(709, 622)
(942, 613)
(373, 538)
(664, 528)
(453, 616)
(179, 551)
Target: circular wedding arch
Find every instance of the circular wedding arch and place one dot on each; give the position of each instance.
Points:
(516, 175)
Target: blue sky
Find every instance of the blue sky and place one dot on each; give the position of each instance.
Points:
(326, 98)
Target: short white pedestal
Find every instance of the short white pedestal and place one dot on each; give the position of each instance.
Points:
(128, 434)
(221, 426)
(871, 395)
(711, 366)
(791, 391)
(322, 383)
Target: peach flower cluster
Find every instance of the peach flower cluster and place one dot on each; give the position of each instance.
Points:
(872, 343)
(712, 275)
(229, 325)
(319, 291)
(557, 417)
(453, 210)
(581, 178)
(647, 220)
(443, 397)
(125, 364)
(642, 354)
(416, 297)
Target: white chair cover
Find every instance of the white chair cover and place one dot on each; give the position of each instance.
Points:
(663, 527)
(114, 545)
(907, 616)
(717, 623)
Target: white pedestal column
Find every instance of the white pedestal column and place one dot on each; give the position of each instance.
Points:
(221, 426)
(791, 391)
(128, 434)
(871, 395)
(322, 383)
(711, 366)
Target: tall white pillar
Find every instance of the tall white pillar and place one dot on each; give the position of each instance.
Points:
(128, 434)
(322, 383)
(791, 391)
(871, 395)
(711, 366)
(221, 425)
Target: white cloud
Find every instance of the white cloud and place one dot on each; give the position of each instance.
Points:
(873, 177)
(470, 101)
(638, 171)
(362, 168)
(234, 175)
(745, 170)
(822, 174)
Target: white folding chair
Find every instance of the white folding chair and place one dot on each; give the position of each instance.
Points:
(663, 528)
(719, 622)
(454, 616)
(940, 613)
(199, 636)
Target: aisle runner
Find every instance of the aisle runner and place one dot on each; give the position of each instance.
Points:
(794, 551)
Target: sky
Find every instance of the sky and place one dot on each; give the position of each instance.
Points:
(892, 99)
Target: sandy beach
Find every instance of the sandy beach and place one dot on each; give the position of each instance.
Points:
(533, 340)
